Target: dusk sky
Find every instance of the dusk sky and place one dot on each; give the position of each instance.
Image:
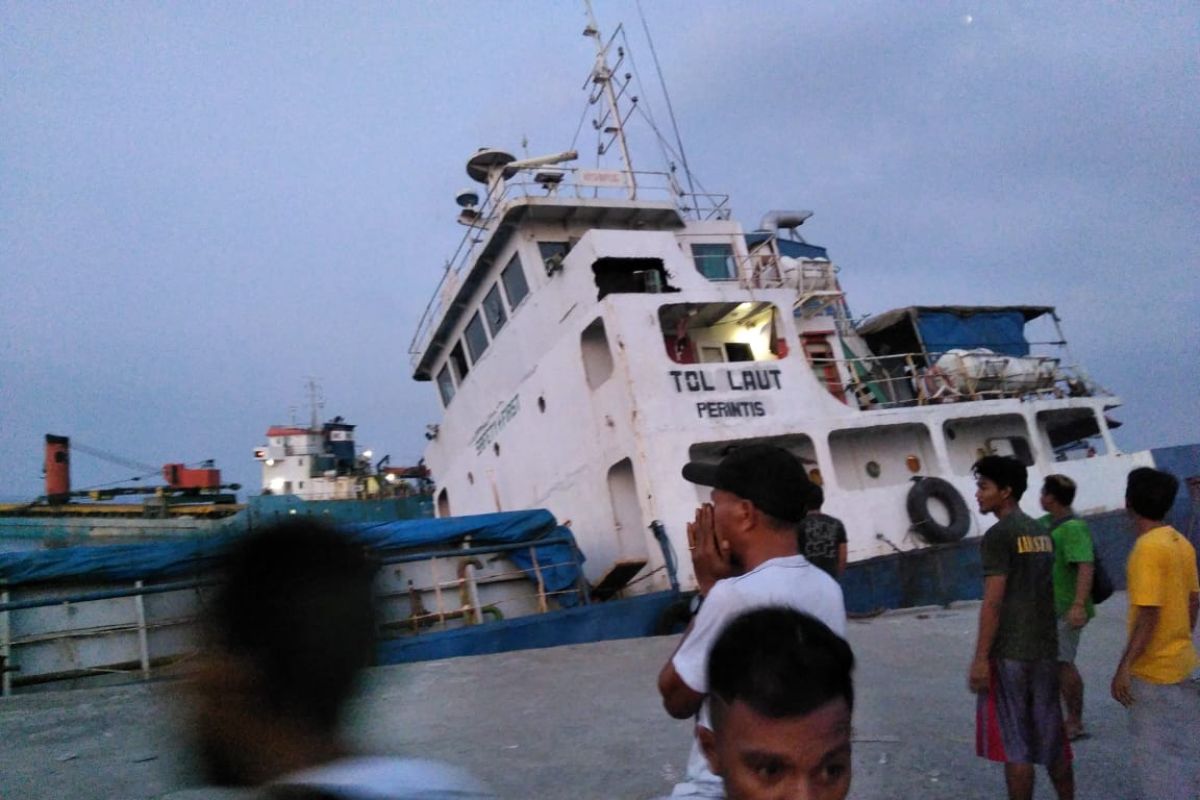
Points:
(201, 204)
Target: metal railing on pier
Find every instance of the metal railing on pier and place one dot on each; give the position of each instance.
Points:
(469, 610)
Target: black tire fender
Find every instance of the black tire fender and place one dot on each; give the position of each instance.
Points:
(932, 531)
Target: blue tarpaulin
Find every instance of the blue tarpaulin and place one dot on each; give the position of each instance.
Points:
(1000, 331)
(158, 560)
(787, 247)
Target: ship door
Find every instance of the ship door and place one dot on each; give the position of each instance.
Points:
(820, 355)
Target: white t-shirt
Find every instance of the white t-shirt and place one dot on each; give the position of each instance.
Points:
(381, 778)
(792, 582)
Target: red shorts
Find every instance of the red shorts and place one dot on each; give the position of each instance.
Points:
(1019, 719)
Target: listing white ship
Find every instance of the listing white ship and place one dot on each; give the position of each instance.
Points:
(598, 328)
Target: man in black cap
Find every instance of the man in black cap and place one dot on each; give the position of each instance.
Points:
(744, 555)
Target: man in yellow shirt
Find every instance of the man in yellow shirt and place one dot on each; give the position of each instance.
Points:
(1156, 678)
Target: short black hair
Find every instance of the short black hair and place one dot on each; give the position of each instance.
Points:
(1151, 492)
(816, 497)
(781, 663)
(1004, 471)
(1061, 488)
(297, 601)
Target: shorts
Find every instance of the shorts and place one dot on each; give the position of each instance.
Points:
(1019, 719)
(1165, 723)
(1068, 640)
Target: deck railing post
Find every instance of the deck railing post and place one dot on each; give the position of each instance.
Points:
(472, 586)
(437, 591)
(143, 639)
(5, 646)
(541, 584)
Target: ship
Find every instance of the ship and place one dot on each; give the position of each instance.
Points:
(597, 328)
(600, 326)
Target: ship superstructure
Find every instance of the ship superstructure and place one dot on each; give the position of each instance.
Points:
(601, 327)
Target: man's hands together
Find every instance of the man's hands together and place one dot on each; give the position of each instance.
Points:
(712, 558)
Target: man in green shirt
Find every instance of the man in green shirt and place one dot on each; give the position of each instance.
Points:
(1074, 566)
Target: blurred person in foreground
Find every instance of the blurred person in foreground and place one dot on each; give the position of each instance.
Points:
(1018, 714)
(781, 699)
(1074, 567)
(286, 637)
(1156, 678)
(744, 555)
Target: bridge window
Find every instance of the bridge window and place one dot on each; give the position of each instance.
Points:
(515, 285)
(493, 310)
(476, 336)
(458, 363)
(553, 254)
(715, 261)
(445, 385)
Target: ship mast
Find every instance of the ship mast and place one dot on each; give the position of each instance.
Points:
(602, 77)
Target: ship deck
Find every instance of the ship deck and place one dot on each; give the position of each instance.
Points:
(582, 721)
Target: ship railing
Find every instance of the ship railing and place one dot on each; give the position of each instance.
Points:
(470, 610)
(556, 182)
(921, 378)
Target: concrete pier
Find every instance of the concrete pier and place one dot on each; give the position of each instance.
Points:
(582, 722)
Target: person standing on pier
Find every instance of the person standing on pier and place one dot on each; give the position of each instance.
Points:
(822, 537)
(744, 555)
(1014, 672)
(1156, 678)
(1074, 565)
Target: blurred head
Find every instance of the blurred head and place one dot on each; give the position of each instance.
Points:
(1058, 492)
(816, 498)
(285, 637)
(1150, 493)
(756, 488)
(999, 482)
(781, 696)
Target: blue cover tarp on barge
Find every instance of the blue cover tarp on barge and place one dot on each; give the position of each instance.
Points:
(559, 563)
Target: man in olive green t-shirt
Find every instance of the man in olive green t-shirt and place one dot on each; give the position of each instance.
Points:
(1157, 679)
(1073, 570)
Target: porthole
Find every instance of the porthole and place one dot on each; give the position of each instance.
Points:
(471, 478)
(496, 448)
(873, 469)
(542, 404)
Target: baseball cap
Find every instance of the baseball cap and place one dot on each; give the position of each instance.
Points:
(768, 476)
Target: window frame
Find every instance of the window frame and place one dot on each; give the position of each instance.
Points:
(476, 324)
(494, 295)
(444, 380)
(514, 266)
(726, 252)
(459, 366)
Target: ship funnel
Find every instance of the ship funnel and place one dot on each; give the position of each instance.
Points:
(58, 469)
(790, 220)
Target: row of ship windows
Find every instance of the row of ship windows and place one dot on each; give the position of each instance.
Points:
(483, 327)
(713, 261)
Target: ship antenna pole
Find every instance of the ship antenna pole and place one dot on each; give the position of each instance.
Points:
(603, 75)
(687, 171)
